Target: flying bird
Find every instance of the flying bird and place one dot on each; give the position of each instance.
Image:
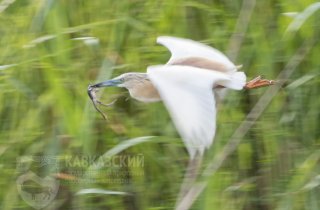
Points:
(188, 84)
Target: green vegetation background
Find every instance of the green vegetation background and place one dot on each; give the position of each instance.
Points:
(45, 110)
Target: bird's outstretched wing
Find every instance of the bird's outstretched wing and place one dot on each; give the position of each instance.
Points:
(183, 48)
(187, 94)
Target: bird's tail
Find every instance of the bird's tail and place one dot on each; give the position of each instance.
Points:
(237, 81)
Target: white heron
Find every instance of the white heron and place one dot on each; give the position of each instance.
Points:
(188, 84)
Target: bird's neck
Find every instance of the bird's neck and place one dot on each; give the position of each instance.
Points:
(144, 91)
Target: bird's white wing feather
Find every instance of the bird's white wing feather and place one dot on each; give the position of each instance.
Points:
(183, 48)
(187, 94)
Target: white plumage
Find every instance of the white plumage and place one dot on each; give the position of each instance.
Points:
(185, 48)
(187, 91)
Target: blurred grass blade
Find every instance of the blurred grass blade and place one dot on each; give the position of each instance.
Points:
(290, 14)
(301, 17)
(126, 144)
(3, 67)
(39, 40)
(100, 191)
(291, 196)
(301, 81)
(89, 40)
(5, 4)
(315, 182)
(39, 19)
(119, 148)
(92, 25)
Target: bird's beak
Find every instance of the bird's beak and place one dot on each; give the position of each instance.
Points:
(108, 83)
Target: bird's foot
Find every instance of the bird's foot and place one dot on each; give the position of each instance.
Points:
(258, 82)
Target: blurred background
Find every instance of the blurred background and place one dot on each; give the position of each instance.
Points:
(51, 50)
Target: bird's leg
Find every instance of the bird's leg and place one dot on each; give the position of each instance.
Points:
(258, 82)
(190, 176)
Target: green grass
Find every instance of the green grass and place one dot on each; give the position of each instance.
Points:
(45, 110)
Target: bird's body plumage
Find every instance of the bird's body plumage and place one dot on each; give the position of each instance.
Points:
(145, 91)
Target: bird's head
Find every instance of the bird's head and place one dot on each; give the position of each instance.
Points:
(127, 80)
